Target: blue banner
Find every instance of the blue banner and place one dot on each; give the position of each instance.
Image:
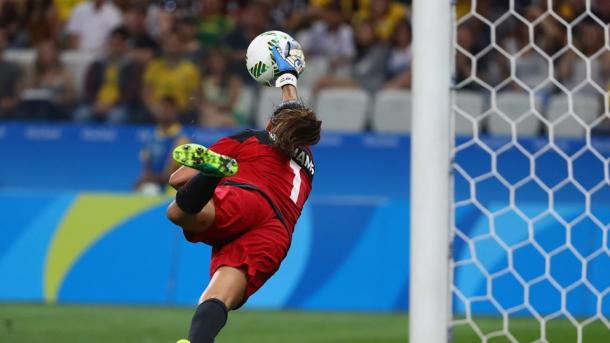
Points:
(535, 216)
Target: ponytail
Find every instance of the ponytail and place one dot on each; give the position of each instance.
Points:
(295, 127)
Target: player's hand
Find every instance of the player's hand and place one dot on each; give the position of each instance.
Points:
(289, 59)
(290, 62)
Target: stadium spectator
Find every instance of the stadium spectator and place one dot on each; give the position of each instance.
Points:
(384, 14)
(65, 8)
(489, 9)
(106, 83)
(569, 9)
(252, 22)
(49, 92)
(463, 65)
(124, 5)
(213, 23)
(221, 91)
(531, 68)
(399, 61)
(90, 24)
(187, 32)
(462, 8)
(473, 36)
(492, 12)
(330, 38)
(601, 9)
(41, 22)
(348, 8)
(10, 75)
(175, 76)
(573, 68)
(156, 155)
(368, 70)
(289, 15)
(549, 34)
(135, 22)
(9, 19)
(140, 53)
(159, 22)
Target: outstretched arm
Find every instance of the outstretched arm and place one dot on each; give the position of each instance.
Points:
(289, 93)
(291, 63)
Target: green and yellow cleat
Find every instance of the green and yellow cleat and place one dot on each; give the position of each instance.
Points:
(184, 341)
(205, 160)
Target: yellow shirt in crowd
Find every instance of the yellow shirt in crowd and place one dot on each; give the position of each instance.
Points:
(179, 81)
(65, 7)
(109, 92)
(384, 26)
(345, 4)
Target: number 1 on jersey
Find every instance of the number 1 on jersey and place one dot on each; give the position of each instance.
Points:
(296, 182)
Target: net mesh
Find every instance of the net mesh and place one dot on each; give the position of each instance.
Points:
(531, 172)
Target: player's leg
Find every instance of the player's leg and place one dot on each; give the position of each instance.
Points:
(193, 209)
(228, 284)
(241, 267)
(225, 291)
(192, 222)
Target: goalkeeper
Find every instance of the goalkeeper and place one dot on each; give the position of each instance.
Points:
(243, 196)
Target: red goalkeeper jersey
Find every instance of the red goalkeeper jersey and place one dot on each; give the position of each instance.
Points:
(285, 182)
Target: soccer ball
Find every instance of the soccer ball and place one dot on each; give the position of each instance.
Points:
(259, 57)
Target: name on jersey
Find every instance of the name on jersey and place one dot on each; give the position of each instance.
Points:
(304, 159)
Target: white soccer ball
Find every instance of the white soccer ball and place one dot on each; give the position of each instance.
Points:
(259, 57)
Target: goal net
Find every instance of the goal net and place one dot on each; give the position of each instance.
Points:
(531, 176)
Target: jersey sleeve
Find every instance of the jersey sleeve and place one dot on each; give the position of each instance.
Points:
(226, 146)
(229, 145)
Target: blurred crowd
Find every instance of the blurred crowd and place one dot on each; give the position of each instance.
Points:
(188, 54)
(183, 60)
(556, 49)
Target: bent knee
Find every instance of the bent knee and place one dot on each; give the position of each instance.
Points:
(175, 214)
(195, 223)
(175, 180)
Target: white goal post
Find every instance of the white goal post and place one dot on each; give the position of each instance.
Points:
(429, 300)
(510, 175)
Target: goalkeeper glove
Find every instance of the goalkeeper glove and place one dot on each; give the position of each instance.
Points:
(290, 63)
